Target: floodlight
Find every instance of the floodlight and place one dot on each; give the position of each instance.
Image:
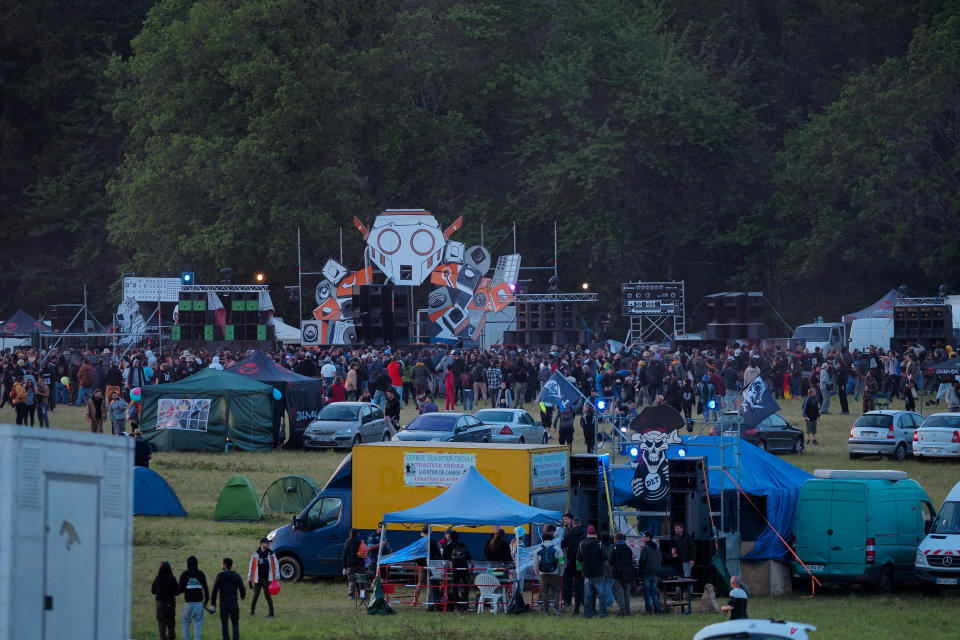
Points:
(682, 452)
(186, 277)
(634, 452)
(259, 277)
(586, 286)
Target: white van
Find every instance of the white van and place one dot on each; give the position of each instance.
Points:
(867, 332)
(938, 556)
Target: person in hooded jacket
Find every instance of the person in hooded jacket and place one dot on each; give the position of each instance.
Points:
(263, 570)
(165, 590)
(623, 571)
(649, 568)
(196, 594)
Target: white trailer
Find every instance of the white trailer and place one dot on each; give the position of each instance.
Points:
(66, 534)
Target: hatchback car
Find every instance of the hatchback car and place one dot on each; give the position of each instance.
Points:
(773, 434)
(345, 424)
(445, 427)
(514, 426)
(938, 437)
(883, 432)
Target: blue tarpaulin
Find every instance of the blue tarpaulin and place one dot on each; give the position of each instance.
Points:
(417, 549)
(472, 501)
(761, 474)
(152, 496)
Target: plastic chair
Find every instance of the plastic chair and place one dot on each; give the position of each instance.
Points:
(490, 591)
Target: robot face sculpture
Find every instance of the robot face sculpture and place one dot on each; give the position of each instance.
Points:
(406, 244)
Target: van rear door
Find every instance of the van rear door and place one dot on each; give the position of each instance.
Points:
(811, 524)
(847, 529)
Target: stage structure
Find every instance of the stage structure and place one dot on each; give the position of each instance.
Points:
(409, 247)
(656, 310)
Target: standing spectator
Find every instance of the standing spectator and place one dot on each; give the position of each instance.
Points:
(737, 605)
(328, 371)
(350, 386)
(811, 413)
(565, 419)
(573, 534)
(588, 423)
(30, 402)
(449, 390)
(165, 590)
(421, 380)
(117, 410)
(395, 371)
(196, 594)
(85, 382)
(623, 571)
(519, 384)
(381, 383)
(376, 546)
(423, 574)
(494, 380)
(869, 391)
(910, 396)
(650, 572)
(951, 397)
(336, 392)
(392, 408)
(826, 387)
(228, 584)
(684, 550)
(592, 558)
(466, 386)
(479, 382)
(141, 450)
(354, 552)
(263, 570)
(460, 561)
(547, 563)
(496, 549)
(43, 400)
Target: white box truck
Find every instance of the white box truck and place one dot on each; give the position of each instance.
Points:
(66, 534)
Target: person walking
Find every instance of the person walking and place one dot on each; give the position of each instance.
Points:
(623, 571)
(811, 413)
(227, 585)
(649, 567)
(564, 421)
(737, 605)
(263, 570)
(118, 413)
(196, 594)
(96, 412)
(165, 590)
(592, 557)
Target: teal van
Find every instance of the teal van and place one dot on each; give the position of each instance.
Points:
(860, 527)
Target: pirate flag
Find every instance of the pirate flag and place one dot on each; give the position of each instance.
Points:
(758, 403)
(655, 429)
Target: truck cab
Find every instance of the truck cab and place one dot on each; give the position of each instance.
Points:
(826, 335)
(312, 544)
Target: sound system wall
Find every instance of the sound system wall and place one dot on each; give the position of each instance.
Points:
(381, 314)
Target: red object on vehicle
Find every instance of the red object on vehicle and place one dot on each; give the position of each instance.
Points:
(506, 431)
(956, 436)
(890, 432)
(915, 439)
(751, 432)
(274, 587)
(871, 551)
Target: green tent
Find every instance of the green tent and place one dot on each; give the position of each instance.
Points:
(238, 501)
(289, 494)
(201, 412)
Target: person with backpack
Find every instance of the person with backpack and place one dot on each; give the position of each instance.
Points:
(623, 571)
(458, 593)
(687, 397)
(546, 563)
(564, 421)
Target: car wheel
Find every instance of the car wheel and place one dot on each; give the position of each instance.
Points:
(545, 438)
(521, 440)
(762, 444)
(356, 440)
(885, 584)
(900, 453)
(485, 440)
(855, 456)
(798, 446)
(386, 436)
(289, 569)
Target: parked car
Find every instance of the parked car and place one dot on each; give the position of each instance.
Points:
(883, 432)
(938, 557)
(748, 629)
(773, 434)
(513, 426)
(937, 437)
(446, 427)
(860, 527)
(345, 424)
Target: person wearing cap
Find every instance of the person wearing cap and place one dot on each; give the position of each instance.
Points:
(593, 558)
(117, 410)
(263, 570)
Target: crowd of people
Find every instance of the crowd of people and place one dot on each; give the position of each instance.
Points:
(701, 382)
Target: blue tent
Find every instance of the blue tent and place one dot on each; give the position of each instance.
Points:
(761, 474)
(152, 496)
(472, 501)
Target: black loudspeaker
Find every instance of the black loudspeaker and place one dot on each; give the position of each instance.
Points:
(689, 502)
(756, 331)
(381, 314)
(755, 307)
(923, 322)
(588, 499)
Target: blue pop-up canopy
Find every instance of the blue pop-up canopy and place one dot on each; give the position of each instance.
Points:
(472, 501)
(152, 496)
(761, 474)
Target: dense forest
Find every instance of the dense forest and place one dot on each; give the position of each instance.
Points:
(805, 148)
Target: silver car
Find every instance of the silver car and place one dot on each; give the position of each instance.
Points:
(345, 424)
(514, 426)
(884, 432)
(938, 437)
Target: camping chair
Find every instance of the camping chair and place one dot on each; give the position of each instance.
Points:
(490, 591)
(881, 401)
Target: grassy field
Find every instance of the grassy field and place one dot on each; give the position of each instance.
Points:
(318, 608)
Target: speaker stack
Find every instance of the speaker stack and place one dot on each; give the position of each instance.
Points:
(544, 323)
(923, 322)
(381, 314)
(244, 320)
(689, 502)
(588, 500)
(194, 321)
(735, 316)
